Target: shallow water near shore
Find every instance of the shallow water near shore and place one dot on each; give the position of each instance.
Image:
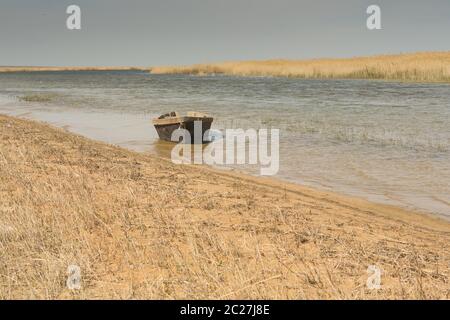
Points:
(386, 142)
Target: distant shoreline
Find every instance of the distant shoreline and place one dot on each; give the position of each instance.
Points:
(6, 69)
(427, 67)
(415, 67)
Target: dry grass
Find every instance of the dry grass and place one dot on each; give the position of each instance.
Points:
(141, 227)
(425, 67)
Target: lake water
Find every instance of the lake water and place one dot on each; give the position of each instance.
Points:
(383, 141)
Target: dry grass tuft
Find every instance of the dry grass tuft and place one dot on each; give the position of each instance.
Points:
(422, 67)
(141, 227)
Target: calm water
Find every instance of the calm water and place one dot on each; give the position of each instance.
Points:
(387, 142)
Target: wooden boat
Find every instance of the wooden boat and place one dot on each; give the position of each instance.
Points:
(167, 123)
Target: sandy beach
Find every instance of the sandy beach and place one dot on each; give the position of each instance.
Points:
(139, 226)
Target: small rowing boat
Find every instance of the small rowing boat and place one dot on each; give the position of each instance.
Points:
(167, 123)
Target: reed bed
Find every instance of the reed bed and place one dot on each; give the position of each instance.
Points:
(141, 227)
(420, 67)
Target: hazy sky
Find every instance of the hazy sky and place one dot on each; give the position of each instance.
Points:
(155, 32)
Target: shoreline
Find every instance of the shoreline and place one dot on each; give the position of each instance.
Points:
(162, 152)
(345, 200)
(141, 227)
(12, 69)
(419, 67)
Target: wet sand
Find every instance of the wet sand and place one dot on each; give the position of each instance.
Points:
(139, 226)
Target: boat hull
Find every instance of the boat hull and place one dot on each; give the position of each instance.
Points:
(165, 130)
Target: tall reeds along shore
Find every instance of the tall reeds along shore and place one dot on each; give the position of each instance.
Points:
(139, 226)
(422, 67)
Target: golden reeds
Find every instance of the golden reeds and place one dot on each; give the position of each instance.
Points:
(425, 67)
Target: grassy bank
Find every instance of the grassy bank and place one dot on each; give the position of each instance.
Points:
(141, 227)
(423, 67)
